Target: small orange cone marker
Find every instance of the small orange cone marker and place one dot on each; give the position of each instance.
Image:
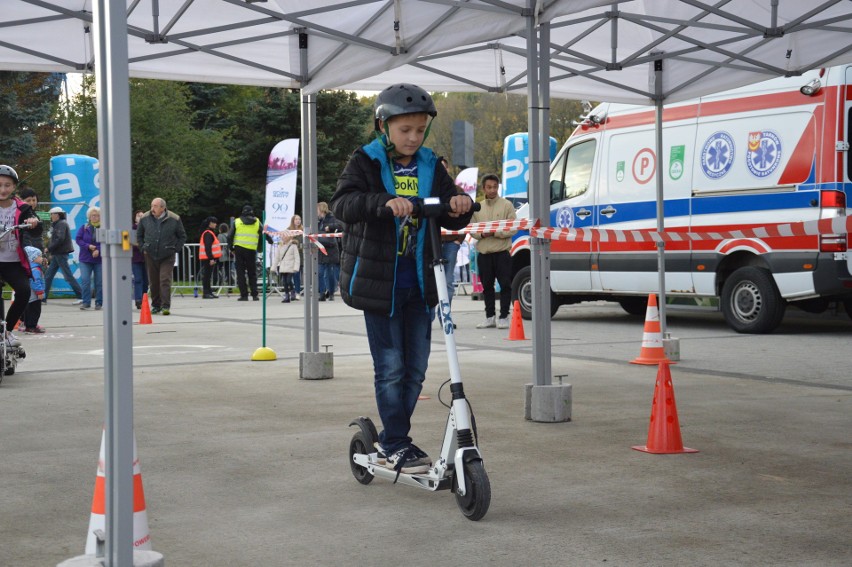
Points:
(145, 313)
(516, 328)
(97, 521)
(652, 351)
(664, 429)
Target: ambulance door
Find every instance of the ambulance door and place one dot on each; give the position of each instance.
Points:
(628, 201)
(572, 199)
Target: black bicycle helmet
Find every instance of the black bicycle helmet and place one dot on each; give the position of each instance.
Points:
(9, 172)
(403, 98)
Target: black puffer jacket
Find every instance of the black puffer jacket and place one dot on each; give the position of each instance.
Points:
(369, 255)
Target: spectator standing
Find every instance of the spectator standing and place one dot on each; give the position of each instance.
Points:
(329, 263)
(393, 284)
(245, 240)
(60, 247)
(296, 224)
(209, 252)
(493, 260)
(140, 273)
(287, 263)
(90, 260)
(29, 196)
(161, 236)
(33, 311)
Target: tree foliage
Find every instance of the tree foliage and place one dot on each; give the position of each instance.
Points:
(28, 101)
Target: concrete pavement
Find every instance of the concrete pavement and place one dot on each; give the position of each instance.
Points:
(245, 464)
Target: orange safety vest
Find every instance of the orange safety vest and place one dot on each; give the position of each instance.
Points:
(217, 247)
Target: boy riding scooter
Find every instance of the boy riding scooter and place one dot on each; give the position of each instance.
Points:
(385, 263)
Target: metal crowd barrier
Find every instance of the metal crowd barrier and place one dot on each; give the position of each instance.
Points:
(187, 278)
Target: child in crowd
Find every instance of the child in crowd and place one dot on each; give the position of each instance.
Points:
(33, 311)
(287, 264)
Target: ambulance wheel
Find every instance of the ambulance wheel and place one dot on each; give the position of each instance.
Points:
(751, 302)
(634, 305)
(847, 304)
(522, 290)
(474, 504)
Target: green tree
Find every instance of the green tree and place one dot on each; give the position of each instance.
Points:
(170, 158)
(28, 101)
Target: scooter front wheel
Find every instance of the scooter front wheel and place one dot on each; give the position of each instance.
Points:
(360, 444)
(474, 504)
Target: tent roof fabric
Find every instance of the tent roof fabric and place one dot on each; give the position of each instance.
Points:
(600, 49)
(261, 42)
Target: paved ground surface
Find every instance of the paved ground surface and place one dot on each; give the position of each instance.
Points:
(245, 464)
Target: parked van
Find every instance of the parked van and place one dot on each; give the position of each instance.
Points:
(774, 152)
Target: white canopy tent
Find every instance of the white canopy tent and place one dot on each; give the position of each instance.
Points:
(604, 53)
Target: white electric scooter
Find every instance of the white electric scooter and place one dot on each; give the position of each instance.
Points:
(459, 467)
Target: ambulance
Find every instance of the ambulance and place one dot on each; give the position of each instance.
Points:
(769, 153)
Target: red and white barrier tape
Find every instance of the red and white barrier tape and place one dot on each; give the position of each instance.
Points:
(836, 225)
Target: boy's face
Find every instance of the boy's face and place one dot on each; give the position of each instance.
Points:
(32, 201)
(7, 187)
(407, 132)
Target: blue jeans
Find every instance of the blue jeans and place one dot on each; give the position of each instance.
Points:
(57, 263)
(328, 275)
(400, 346)
(140, 280)
(450, 253)
(86, 272)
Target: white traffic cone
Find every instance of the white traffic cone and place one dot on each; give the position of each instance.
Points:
(97, 521)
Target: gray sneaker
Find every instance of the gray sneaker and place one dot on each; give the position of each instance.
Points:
(409, 460)
(77, 302)
(12, 340)
(487, 324)
(503, 323)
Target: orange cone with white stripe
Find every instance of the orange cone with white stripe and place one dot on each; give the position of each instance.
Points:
(141, 534)
(652, 351)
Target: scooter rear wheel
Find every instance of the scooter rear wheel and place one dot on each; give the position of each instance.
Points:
(474, 504)
(360, 444)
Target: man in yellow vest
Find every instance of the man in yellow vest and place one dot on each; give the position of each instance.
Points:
(244, 239)
(209, 252)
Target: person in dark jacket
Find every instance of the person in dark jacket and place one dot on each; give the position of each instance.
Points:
(160, 236)
(328, 264)
(60, 247)
(385, 263)
(14, 264)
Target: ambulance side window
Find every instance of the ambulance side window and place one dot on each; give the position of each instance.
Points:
(557, 186)
(578, 168)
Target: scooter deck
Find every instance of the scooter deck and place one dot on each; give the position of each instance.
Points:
(429, 480)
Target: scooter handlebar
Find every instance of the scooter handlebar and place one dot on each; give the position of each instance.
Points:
(422, 210)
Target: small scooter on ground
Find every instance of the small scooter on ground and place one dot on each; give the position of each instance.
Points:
(460, 466)
(9, 355)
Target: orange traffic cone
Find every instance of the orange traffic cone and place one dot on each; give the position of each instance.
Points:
(516, 329)
(97, 521)
(664, 429)
(652, 351)
(145, 313)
